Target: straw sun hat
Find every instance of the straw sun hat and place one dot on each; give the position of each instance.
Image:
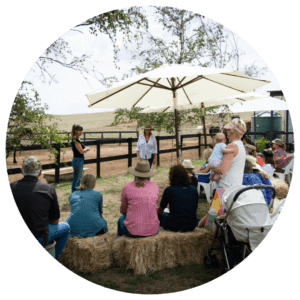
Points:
(255, 165)
(187, 163)
(142, 169)
(148, 127)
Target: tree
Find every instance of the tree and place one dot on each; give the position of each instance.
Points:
(185, 38)
(27, 122)
(126, 22)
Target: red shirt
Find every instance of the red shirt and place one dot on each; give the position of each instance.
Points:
(260, 161)
(140, 206)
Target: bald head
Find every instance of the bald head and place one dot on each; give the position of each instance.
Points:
(220, 138)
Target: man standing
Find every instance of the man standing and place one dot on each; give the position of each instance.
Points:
(38, 205)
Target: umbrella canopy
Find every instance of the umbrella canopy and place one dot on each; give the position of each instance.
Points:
(261, 102)
(193, 85)
(174, 85)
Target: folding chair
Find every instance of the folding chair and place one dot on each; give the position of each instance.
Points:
(286, 171)
(203, 180)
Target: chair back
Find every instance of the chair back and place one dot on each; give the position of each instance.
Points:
(288, 167)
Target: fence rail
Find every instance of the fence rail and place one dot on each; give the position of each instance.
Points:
(98, 160)
(106, 141)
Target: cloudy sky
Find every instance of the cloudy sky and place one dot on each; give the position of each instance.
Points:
(68, 95)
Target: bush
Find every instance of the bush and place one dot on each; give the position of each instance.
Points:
(261, 144)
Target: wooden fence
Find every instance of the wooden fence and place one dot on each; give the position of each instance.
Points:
(98, 160)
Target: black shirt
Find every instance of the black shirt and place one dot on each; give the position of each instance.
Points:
(36, 201)
(183, 201)
(75, 151)
(194, 181)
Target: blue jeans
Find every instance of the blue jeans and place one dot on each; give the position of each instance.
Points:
(77, 164)
(164, 221)
(60, 233)
(122, 230)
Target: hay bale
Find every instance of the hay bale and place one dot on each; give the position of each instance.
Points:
(88, 254)
(281, 187)
(164, 250)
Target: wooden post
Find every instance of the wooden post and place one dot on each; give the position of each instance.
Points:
(98, 159)
(254, 128)
(199, 145)
(157, 141)
(57, 161)
(204, 129)
(15, 152)
(272, 134)
(129, 152)
(84, 136)
(120, 136)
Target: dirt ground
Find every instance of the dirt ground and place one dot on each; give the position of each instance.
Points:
(106, 168)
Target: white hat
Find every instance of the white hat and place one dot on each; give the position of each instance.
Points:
(187, 163)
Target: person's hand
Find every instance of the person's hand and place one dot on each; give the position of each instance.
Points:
(138, 157)
(154, 161)
(87, 149)
(201, 168)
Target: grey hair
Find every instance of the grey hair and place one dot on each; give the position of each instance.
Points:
(31, 173)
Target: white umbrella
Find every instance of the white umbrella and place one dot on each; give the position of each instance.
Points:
(261, 103)
(174, 85)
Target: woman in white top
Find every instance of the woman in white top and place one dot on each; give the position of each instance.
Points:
(269, 163)
(233, 164)
(146, 147)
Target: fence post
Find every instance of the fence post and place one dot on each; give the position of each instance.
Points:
(57, 161)
(120, 136)
(84, 136)
(199, 147)
(15, 152)
(129, 152)
(137, 134)
(157, 141)
(98, 159)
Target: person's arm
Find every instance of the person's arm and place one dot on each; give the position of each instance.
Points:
(205, 170)
(165, 200)
(227, 159)
(100, 204)
(54, 212)
(80, 150)
(124, 203)
(226, 150)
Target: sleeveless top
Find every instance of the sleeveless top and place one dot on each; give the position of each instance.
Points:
(234, 175)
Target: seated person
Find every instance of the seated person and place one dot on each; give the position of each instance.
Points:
(182, 199)
(279, 154)
(187, 163)
(251, 150)
(269, 163)
(139, 203)
(85, 218)
(250, 178)
(215, 159)
(207, 153)
(38, 205)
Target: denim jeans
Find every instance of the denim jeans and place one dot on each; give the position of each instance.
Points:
(60, 233)
(77, 164)
(122, 230)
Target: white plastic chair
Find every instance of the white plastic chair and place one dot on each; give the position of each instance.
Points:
(206, 186)
(286, 171)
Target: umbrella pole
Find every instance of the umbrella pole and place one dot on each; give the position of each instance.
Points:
(176, 128)
(204, 129)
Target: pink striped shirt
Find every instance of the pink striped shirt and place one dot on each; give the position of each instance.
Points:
(139, 204)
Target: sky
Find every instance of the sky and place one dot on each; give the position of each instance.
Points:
(68, 95)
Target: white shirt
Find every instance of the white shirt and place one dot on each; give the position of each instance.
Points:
(146, 149)
(234, 175)
(268, 168)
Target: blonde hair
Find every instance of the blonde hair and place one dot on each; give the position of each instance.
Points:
(140, 182)
(88, 181)
(219, 137)
(239, 124)
(207, 153)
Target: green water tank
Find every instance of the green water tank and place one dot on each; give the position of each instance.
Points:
(263, 124)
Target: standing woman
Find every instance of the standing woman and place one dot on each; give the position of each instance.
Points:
(146, 146)
(78, 155)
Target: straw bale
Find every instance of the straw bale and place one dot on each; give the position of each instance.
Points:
(88, 254)
(165, 250)
(281, 187)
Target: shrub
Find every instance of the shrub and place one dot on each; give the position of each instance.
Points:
(261, 144)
